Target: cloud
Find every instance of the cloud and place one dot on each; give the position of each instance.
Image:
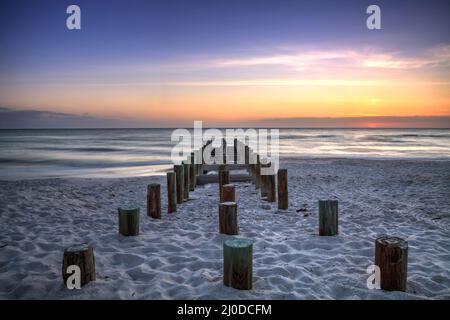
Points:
(356, 122)
(30, 119)
(310, 60)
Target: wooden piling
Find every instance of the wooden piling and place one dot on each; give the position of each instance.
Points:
(129, 221)
(228, 193)
(391, 256)
(264, 183)
(179, 178)
(171, 192)
(257, 172)
(328, 217)
(271, 189)
(224, 178)
(154, 200)
(192, 174)
(224, 151)
(228, 221)
(283, 200)
(235, 149)
(82, 256)
(186, 170)
(238, 263)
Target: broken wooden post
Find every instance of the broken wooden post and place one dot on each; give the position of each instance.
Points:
(283, 202)
(186, 171)
(192, 174)
(328, 217)
(224, 178)
(228, 193)
(391, 256)
(129, 221)
(171, 192)
(179, 178)
(82, 256)
(238, 263)
(154, 200)
(228, 222)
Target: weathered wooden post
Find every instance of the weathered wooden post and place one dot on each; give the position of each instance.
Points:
(391, 256)
(257, 172)
(235, 149)
(82, 256)
(228, 193)
(192, 174)
(271, 188)
(186, 171)
(179, 174)
(224, 178)
(197, 164)
(228, 222)
(224, 150)
(129, 221)
(328, 217)
(171, 192)
(283, 202)
(238, 263)
(154, 200)
(264, 183)
(247, 156)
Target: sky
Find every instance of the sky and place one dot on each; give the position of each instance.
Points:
(228, 63)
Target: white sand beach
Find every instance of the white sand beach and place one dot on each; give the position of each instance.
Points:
(180, 256)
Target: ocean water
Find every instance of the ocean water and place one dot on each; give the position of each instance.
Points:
(137, 152)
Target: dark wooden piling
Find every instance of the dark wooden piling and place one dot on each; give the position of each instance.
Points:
(283, 200)
(228, 193)
(82, 256)
(186, 170)
(129, 221)
(171, 192)
(257, 172)
(228, 220)
(391, 256)
(238, 263)
(328, 217)
(179, 178)
(271, 189)
(192, 174)
(224, 178)
(154, 200)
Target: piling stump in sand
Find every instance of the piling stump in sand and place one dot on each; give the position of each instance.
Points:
(171, 192)
(228, 193)
(129, 221)
(238, 263)
(224, 178)
(257, 172)
(391, 256)
(192, 174)
(154, 200)
(328, 217)
(271, 190)
(186, 171)
(283, 202)
(81, 255)
(228, 223)
(179, 173)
